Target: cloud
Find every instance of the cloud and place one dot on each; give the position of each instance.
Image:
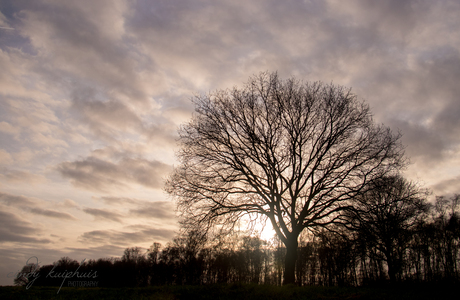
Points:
(447, 187)
(69, 203)
(105, 117)
(423, 143)
(114, 120)
(103, 214)
(8, 128)
(119, 200)
(34, 206)
(102, 176)
(15, 229)
(52, 214)
(130, 236)
(159, 210)
(5, 157)
(87, 39)
(17, 176)
(20, 201)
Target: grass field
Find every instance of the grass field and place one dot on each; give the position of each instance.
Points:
(234, 291)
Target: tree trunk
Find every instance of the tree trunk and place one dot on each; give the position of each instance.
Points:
(290, 260)
(391, 269)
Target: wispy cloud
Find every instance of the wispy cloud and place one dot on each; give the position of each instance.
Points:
(34, 206)
(52, 214)
(16, 229)
(129, 236)
(104, 214)
(104, 176)
(18, 176)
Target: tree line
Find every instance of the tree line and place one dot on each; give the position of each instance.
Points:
(421, 246)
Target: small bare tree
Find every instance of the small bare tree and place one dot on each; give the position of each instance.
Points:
(385, 217)
(290, 152)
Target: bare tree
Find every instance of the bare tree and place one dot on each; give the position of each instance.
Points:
(386, 216)
(287, 151)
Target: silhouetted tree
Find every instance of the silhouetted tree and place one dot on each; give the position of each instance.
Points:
(133, 268)
(153, 260)
(107, 275)
(290, 152)
(253, 258)
(337, 258)
(306, 263)
(385, 216)
(191, 243)
(445, 237)
(28, 274)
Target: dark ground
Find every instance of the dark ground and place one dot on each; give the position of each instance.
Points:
(235, 291)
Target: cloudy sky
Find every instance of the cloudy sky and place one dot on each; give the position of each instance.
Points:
(92, 94)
